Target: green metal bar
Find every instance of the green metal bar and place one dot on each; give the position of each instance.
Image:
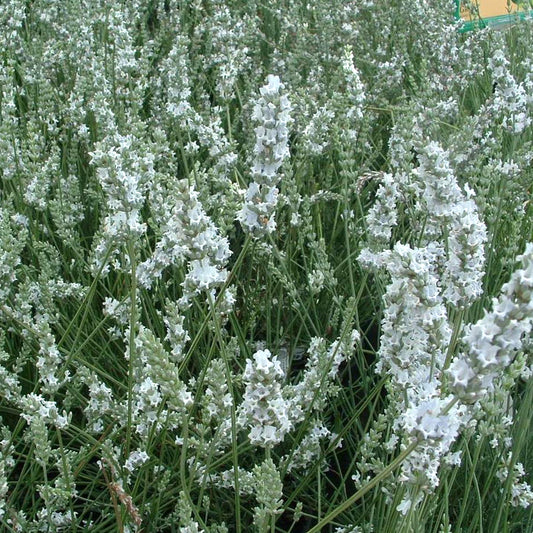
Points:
(498, 21)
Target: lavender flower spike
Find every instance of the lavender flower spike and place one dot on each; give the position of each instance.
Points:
(271, 114)
(492, 341)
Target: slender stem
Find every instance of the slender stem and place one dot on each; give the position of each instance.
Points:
(382, 475)
(457, 328)
(185, 485)
(234, 451)
(229, 280)
(361, 492)
(133, 329)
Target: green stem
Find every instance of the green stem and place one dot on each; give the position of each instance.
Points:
(234, 451)
(457, 328)
(201, 329)
(133, 329)
(382, 475)
(361, 492)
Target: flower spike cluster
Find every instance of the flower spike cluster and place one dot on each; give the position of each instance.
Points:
(272, 115)
(492, 341)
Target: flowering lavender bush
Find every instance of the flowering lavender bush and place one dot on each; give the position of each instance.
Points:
(264, 267)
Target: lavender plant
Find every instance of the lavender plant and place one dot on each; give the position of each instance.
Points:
(258, 267)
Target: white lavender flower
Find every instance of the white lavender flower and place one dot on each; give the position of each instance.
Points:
(310, 447)
(453, 218)
(13, 235)
(382, 217)
(317, 384)
(136, 459)
(272, 115)
(7, 464)
(264, 409)
(491, 343)
(204, 128)
(217, 401)
(510, 98)
(160, 396)
(124, 171)
(228, 35)
(355, 94)
(39, 414)
(317, 133)
(413, 347)
(442, 214)
(415, 330)
(177, 335)
(100, 404)
(436, 423)
(521, 492)
(187, 234)
(50, 361)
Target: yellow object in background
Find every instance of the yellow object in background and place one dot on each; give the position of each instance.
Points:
(478, 13)
(488, 8)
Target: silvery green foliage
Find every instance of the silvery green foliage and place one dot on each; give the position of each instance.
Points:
(272, 115)
(123, 139)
